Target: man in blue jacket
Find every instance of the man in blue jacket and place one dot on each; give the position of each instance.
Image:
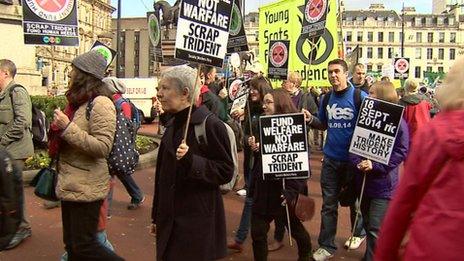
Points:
(337, 115)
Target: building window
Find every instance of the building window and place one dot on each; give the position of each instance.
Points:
(419, 37)
(429, 53)
(430, 37)
(441, 37)
(360, 36)
(380, 37)
(360, 52)
(417, 73)
(380, 53)
(451, 21)
(379, 67)
(441, 20)
(453, 38)
(429, 68)
(369, 68)
(136, 53)
(349, 37)
(390, 52)
(418, 53)
(369, 52)
(418, 21)
(370, 36)
(441, 54)
(440, 69)
(391, 37)
(452, 54)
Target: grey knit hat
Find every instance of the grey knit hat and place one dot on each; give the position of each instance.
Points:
(92, 63)
(115, 85)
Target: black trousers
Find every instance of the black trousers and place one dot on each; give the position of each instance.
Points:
(80, 223)
(260, 227)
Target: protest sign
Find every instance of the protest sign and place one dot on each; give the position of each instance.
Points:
(237, 37)
(105, 51)
(376, 129)
(315, 14)
(203, 31)
(401, 68)
(284, 146)
(154, 32)
(278, 59)
(240, 100)
(283, 20)
(50, 22)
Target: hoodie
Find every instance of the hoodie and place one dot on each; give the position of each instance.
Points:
(416, 111)
(428, 201)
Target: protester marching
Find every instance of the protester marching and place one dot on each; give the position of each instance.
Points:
(349, 158)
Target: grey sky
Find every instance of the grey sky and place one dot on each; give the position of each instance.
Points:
(138, 8)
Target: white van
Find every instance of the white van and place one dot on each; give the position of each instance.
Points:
(142, 92)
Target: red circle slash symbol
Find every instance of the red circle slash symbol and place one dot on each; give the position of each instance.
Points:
(52, 5)
(315, 8)
(402, 65)
(278, 54)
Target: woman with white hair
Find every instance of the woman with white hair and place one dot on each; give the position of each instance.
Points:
(428, 201)
(188, 213)
(416, 107)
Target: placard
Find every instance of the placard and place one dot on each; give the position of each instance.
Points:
(315, 15)
(203, 31)
(401, 68)
(50, 22)
(376, 129)
(237, 37)
(107, 53)
(154, 32)
(278, 59)
(284, 146)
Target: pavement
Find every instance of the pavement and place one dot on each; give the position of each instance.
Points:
(128, 229)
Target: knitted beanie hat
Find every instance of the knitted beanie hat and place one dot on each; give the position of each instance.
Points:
(92, 63)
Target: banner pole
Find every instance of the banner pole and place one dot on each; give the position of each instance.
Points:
(192, 101)
(288, 216)
(311, 56)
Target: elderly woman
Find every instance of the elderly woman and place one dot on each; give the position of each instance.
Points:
(300, 99)
(428, 201)
(188, 212)
(82, 144)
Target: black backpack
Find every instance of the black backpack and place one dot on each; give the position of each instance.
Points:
(11, 188)
(123, 157)
(40, 124)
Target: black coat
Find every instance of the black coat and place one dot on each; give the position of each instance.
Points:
(187, 208)
(267, 194)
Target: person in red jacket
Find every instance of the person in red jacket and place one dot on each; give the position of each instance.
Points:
(416, 107)
(137, 198)
(428, 202)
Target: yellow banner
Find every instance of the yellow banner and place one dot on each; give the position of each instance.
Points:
(283, 21)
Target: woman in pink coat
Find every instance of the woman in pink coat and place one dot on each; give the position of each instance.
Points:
(429, 202)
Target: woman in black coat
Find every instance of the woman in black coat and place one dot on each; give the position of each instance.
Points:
(188, 211)
(269, 194)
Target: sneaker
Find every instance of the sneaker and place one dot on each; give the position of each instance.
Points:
(242, 192)
(51, 204)
(135, 205)
(276, 245)
(19, 237)
(237, 247)
(322, 254)
(355, 242)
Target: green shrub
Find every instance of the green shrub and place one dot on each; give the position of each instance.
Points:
(48, 104)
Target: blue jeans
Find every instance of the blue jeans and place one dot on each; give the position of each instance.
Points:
(131, 187)
(334, 174)
(373, 210)
(244, 227)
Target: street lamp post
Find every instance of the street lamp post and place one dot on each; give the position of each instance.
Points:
(118, 36)
(402, 31)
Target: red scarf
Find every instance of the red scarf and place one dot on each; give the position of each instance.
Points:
(54, 134)
(204, 89)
